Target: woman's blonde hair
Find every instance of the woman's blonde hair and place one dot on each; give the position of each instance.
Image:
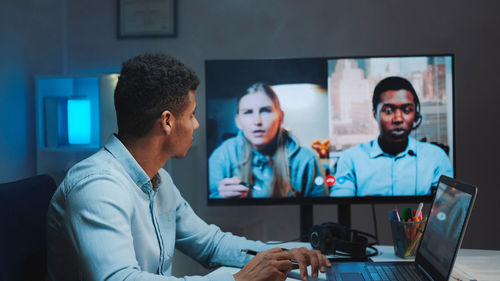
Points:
(280, 184)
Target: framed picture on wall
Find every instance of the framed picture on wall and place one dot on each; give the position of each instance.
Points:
(147, 18)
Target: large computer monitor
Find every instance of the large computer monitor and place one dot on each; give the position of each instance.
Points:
(309, 130)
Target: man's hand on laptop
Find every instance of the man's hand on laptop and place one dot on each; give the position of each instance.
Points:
(275, 264)
(306, 257)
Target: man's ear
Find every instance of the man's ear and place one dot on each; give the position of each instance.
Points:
(167, 122)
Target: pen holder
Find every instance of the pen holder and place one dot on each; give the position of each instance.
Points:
(406, 237)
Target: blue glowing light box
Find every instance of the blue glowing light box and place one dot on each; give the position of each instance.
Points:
(75, 116)
(79, 121)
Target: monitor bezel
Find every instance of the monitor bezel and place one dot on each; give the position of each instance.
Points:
(328, 200)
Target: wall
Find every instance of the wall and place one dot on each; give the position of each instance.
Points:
(31, 43)
(226, 29)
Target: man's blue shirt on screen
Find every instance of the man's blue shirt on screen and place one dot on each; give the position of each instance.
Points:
(367, 170)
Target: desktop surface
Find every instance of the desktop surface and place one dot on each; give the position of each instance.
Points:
(470, 264)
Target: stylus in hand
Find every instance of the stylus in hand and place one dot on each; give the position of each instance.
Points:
(251, 186)
(295, 264)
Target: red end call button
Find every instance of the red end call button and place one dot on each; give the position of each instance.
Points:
(330, 180)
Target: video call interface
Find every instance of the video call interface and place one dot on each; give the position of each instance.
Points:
(311, 127)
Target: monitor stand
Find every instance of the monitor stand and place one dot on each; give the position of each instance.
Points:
(306, 218)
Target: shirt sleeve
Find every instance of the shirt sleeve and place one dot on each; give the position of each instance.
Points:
(443, 167)
(98, 224)
(207, 243)
(345, 176)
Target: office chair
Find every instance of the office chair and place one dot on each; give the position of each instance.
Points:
(23, 210)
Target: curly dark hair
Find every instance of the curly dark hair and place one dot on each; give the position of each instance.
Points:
(148, 85)
(393, 83)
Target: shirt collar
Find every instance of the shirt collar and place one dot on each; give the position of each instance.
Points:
(259, 159)
(377, 151)
(129, 164)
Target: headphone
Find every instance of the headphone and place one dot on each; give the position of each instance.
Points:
(330, 238)
(418, 115)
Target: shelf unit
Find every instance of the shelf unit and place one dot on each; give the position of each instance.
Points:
(75, 116)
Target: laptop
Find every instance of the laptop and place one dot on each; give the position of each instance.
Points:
(443, 234)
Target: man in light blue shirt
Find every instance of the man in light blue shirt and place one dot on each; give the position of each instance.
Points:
(117, 215)
(394, 163)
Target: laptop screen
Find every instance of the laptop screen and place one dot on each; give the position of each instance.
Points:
(446, 222)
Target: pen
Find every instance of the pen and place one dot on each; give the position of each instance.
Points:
(415, 240)
(253, 253)
(249, 252)
(251, 186)
(418, 214)
(407, 214)
(295, 264)
(395, 215)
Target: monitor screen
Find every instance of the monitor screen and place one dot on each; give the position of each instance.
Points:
(329, 128)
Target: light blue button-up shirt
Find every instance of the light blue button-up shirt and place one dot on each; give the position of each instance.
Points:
(107, 222)
(225, 162)
(371, 171)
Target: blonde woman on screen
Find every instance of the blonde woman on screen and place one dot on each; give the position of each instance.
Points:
(263, 160)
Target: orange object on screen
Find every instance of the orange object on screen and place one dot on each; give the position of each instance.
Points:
(322, 148)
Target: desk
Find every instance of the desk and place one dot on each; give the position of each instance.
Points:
(482, 265)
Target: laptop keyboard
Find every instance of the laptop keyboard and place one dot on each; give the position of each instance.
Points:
(403, 272)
